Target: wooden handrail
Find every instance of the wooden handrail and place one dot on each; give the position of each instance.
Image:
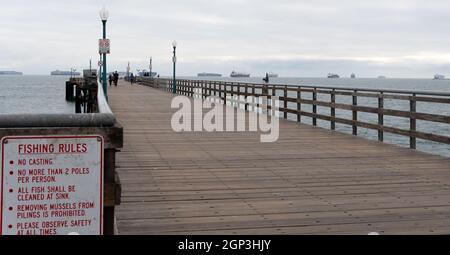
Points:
(223, 89)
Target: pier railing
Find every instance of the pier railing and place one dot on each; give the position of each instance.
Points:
(295, 99)
(102, 122)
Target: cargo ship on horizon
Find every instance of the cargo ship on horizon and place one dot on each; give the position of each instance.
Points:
(332, 76)
(439, 77)
(209, 74)
(58, 72)
(235, 74)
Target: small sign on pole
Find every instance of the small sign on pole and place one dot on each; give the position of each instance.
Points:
(104, 46)
(51, 185)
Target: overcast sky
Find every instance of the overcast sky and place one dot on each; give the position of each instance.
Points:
(291, 37)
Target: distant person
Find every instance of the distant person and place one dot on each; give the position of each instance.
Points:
(266, 79)
(131, 78)
(110, 79)
(116, 78)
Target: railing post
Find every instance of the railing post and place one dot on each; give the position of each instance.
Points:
(198, 89)
(225, 93)
(238, 95)
(355, 113)
(246, 91)
(285, 102)
(333, 110)
(380, 116)
(254, 98)
(181, 87)
(209, 89)
(314, 107)
(232, 101)
(274, 93)
(299, 104)
(109, 177)
(412, 121)
(203, 89)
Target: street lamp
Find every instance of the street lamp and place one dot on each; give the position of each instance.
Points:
(104, 14)
(150, 67)
(174, 89)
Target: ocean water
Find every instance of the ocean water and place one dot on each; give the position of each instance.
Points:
(46, 94)
(34, 94)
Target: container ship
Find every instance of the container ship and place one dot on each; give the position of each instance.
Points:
(58, 72)
(333, 76)
(209, 75)
(238, 74)
(439, 77)
(146, 74)
(273, 75)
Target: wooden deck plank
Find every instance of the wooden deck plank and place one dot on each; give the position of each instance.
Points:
(310, 181)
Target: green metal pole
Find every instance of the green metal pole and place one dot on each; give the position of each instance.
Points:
(174, 89)
(105, 87)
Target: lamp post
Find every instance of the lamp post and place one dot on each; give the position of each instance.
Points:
(150, 68)
(128, 71)
(174, 85)
(72, 71)
(104, 14)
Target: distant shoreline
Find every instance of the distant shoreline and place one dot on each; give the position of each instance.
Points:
(10, 73)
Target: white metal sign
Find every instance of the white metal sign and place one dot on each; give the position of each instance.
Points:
(51, 185)
(104, 46)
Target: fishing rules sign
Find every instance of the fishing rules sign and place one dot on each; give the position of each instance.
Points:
(51, 185)
(104, 46)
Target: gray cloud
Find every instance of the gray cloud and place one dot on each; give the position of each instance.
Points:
(294, 38)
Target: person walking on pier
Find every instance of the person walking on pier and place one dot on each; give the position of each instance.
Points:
(110, 79)
(131, 78)
(116, 78)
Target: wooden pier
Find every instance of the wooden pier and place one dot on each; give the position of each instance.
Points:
(311, 181)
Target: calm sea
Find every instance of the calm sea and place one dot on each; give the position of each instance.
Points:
(46, 94)
(34, 94)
